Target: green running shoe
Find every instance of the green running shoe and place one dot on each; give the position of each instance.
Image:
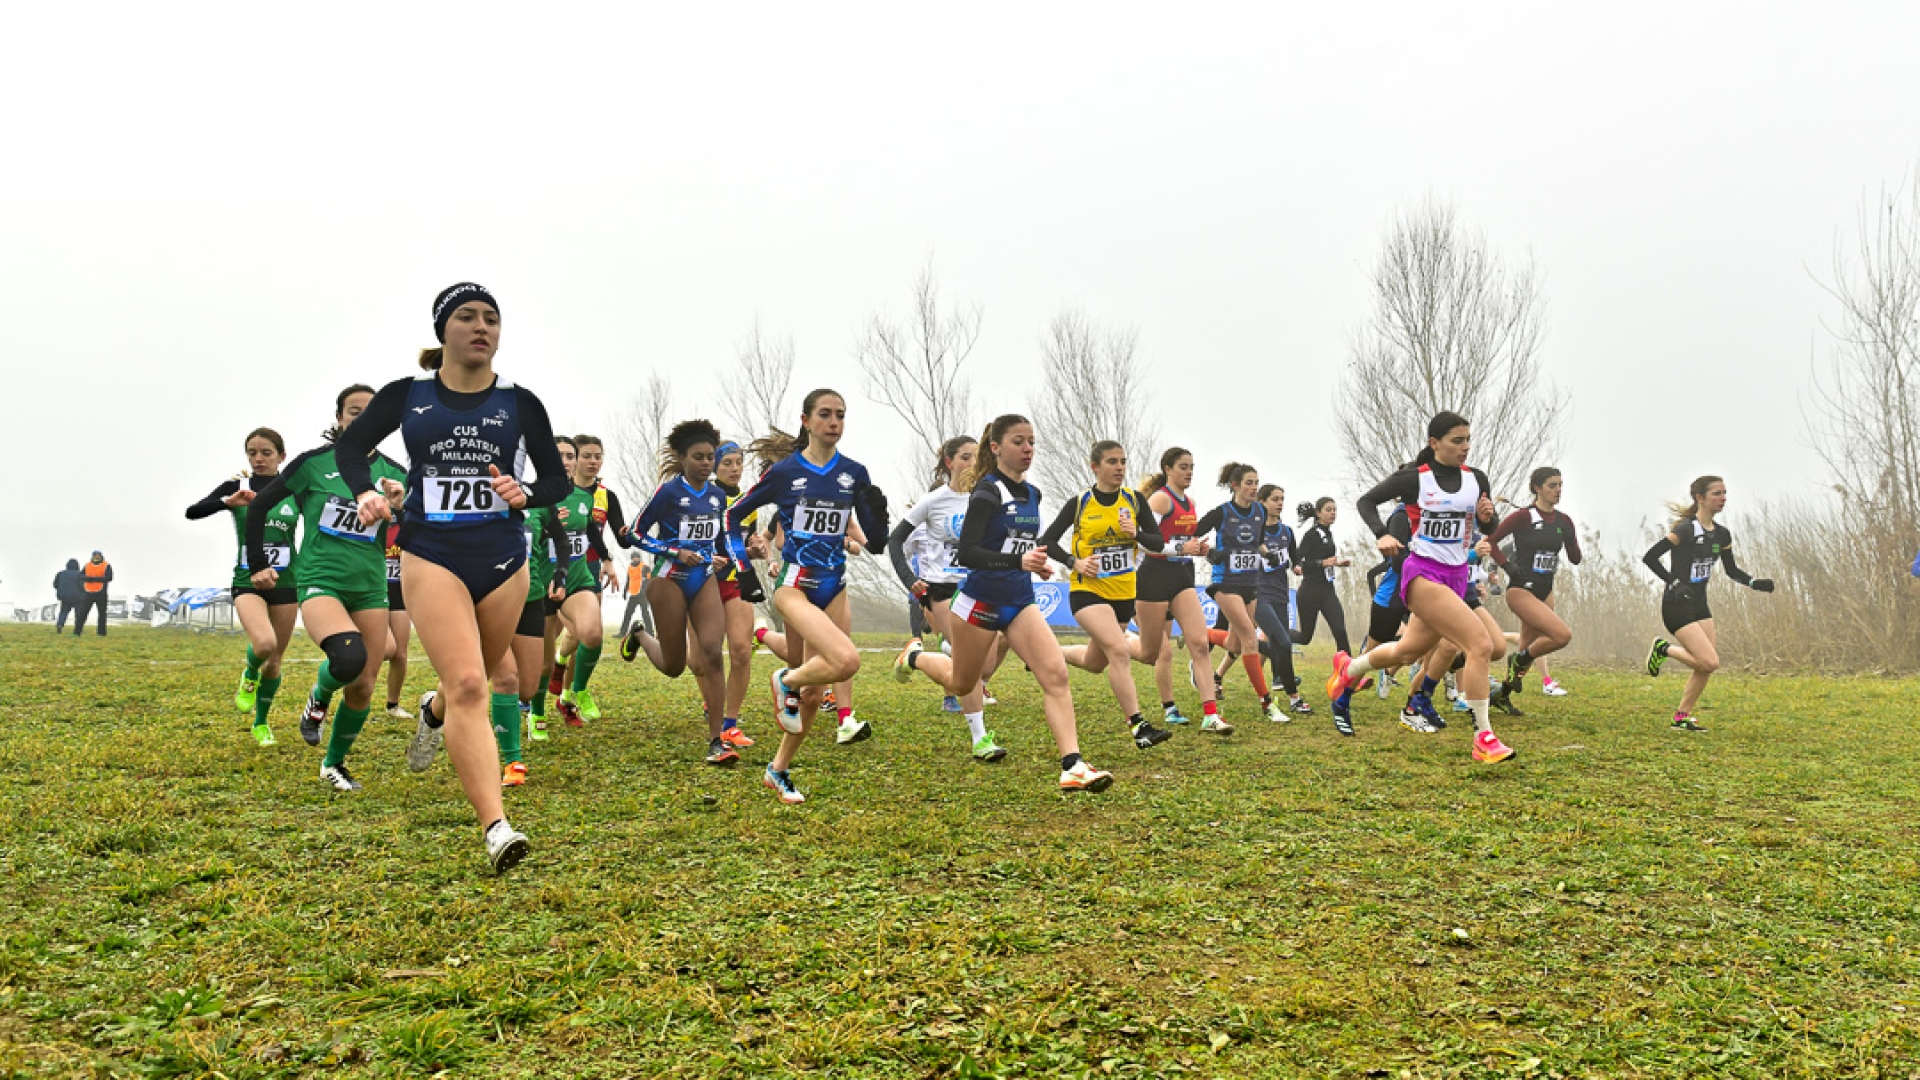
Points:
(243, 699)
(987, 750)
(263, 735)
(1656, 656)
(536, 727)
(583, 700)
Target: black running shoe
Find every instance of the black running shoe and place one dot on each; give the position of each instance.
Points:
(1504, 702)
(1145, 735)
(310, 721)
(1342, 717)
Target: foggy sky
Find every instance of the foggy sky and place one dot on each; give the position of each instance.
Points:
(212, 217)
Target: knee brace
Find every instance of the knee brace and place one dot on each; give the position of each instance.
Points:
(346, 655)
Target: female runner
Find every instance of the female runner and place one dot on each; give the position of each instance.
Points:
(998, 546)
(1319, 559)
(680, 527)
(1109, 522)
(343, 583)
(399, 627)
(1166, 588)
(740, 590)
(815, 493)
(463, 551)
(1540, 534)
(1696, 541)
(584, 513)
(1275, 591)
(1447, 505)
(267, 617)
(923, 548)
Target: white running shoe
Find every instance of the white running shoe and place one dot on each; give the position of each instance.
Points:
(339, 778)
(1383, 685)
(506, 846)
(852, 731)
(399, 712)
(1214, 725)
(1553, 689)
(426, 741)
(786, 703)
(1084, 777)
(1274, 712)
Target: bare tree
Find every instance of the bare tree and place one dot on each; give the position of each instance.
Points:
(915, 369)
(1454, 327)
(753, 394)
(635, 433)
(1094, 388)
(1866, 404)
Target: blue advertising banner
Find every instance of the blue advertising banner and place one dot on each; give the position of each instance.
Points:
(1051, 598)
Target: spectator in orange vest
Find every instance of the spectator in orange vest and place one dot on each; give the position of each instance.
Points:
(637, 595)
(94, 578)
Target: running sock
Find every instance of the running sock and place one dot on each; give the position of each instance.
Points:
(1068, 761)
(728, 723)
(253, 664)
(1217, 638)
(427, 713)
(913, 660)
(505, 709)
(1522, 661)
(844, 712)
(346, 728)
(392, 705)
(1167, 706)
(1135, 721)
(263, 699)
(1480, 721)
(1256, 672)
(540, 702)
(977, 725)
(1428, 686)
(324, 684)
(584, 660)
(1210, 708)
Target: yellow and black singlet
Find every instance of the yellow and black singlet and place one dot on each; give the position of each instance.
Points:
(1094, 518)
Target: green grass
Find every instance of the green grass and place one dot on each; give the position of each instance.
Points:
(1636, 902)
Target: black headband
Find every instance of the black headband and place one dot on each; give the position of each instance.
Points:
(451, 298)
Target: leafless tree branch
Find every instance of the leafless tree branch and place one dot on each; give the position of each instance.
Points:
(916, 368)
(1093, 388)
(1454, 327)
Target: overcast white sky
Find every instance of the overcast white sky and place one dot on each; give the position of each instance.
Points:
(214, 216)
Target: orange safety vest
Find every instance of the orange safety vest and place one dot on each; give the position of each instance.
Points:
(636, 576)
(95, 574)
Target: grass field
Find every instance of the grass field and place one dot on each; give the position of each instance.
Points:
(1621, 901)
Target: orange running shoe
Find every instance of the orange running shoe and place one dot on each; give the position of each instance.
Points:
(736, 738)
(514, 775)
(1337, 682)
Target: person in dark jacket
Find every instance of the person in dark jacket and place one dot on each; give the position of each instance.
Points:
(66, 587)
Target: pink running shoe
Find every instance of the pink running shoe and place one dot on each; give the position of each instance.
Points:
(1488, 748)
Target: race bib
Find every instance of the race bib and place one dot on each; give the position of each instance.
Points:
(577, 545)
(1443, 528)
(1017, 545)
(393, 568)
(460, 499)
(279, 556)
(700, 529)
(341, 518)
(1329, 573)
(1113, 561)
(1243, 562)
(1702, 570)
(1546, 562)
(815, 518)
